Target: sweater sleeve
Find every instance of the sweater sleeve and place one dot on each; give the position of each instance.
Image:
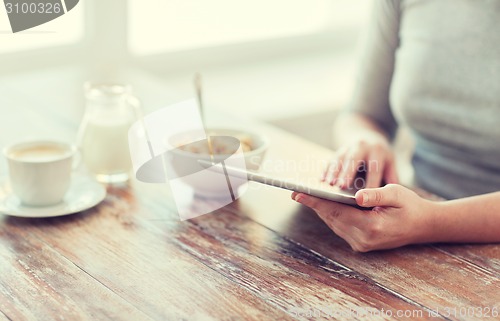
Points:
(378, 49)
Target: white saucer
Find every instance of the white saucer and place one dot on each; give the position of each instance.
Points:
(84, 193)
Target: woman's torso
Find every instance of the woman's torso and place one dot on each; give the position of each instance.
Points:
(446, 88)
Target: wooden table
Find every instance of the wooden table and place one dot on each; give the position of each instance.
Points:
(263, 257)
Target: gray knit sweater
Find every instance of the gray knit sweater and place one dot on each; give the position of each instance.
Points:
(434, 65)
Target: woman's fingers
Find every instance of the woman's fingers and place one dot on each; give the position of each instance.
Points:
(350, 166)
(374, 168)
(317, 204)
(376, 159)
(390, 172)
(326, 172)
(342, 219)
(336, 167)
(390, 195)
(383, 227)
(332, 171)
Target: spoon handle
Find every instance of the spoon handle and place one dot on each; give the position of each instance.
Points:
(199, 96)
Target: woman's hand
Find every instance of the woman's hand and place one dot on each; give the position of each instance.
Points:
(372, 154)
(399, 217)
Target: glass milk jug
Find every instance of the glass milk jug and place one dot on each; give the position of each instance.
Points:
(103, 136)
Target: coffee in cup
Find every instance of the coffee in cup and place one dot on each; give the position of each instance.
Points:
(40, 171)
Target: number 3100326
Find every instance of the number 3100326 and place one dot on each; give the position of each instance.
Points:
(39, 7)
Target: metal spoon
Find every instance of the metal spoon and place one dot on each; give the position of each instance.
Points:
(199, 95)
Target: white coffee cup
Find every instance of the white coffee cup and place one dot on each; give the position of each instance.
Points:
(40, 171)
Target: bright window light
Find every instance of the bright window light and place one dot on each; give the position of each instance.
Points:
(174, 25)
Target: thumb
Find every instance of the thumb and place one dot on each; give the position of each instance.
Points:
(389, 195)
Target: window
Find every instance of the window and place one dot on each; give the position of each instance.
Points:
(174, 25)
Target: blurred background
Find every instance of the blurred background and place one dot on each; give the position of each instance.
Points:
(290, 63)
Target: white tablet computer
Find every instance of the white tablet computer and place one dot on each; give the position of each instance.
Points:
(344, 197)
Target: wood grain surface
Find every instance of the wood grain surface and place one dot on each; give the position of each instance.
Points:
(263, 257)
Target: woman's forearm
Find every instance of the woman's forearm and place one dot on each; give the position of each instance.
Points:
(473, 219)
